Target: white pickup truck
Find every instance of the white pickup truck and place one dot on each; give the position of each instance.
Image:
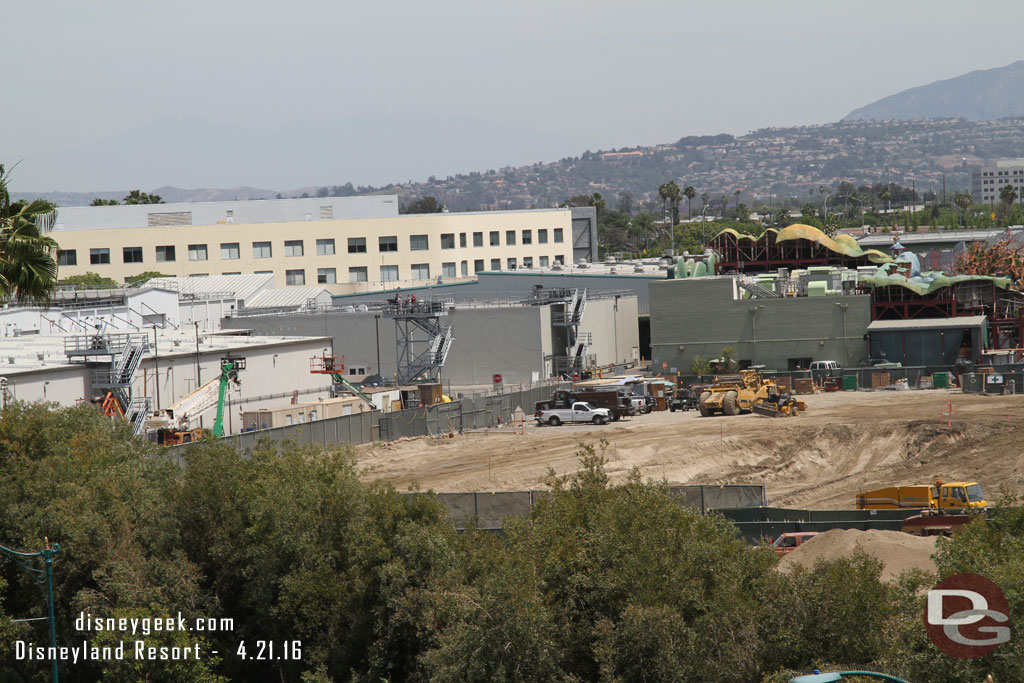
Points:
(580, 412)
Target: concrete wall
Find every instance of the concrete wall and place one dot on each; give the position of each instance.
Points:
(612, 324)
(516, 284)
(698, 317)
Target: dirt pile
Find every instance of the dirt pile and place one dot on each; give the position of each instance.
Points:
(897, 551)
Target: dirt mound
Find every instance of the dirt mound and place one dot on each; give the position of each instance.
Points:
(897, 551)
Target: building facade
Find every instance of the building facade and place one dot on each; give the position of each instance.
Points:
(320, 249)
(986, 181)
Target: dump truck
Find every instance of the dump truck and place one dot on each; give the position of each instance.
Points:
(954, 495)
(747, 392)
(618, 405)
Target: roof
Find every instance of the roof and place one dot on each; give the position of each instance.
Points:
(842, 244)
(288, 297)
(928, 282)
(927, 323)
(935, 236)
(216, 286)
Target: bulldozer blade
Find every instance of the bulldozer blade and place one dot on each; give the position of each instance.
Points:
(766, 411)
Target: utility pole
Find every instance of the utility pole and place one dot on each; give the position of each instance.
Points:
(42, 576)
(199, 381)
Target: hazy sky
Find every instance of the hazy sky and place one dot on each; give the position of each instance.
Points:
(606, 73)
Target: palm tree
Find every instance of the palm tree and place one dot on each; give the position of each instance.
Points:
(675, 195)
(28, 270)
(1008, 195)
(964, 201)
(689, 192)
(737, 194)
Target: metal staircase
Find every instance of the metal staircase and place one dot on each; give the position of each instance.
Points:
(575, 305)
(756, 289)
(422, 343)
(115, 360)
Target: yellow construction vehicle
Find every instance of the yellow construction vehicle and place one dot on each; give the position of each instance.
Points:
(941, 495)
(747, 392)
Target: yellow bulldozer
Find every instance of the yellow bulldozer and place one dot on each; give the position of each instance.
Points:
(747, 392)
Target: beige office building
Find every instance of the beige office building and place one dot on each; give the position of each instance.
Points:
(302, 243)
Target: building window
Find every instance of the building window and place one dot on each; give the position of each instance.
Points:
(560, 260)
(388, 273)
(462, 240)
(327, 276)
(448, 269)
(495, 264)
(293, 247)
(421, 271)
(478, 265)
(197, 252)
(67, 257)
(388, 243)
(542, 236)
(229, 251)
(295, 277)
(132, 254)
(558, 235)
(237, 272)
(448, 240)
(478, 239)
(511, 264)
(261, 250)
(326, 247)
(199, 275)
(100, 257)
(357, 245)
(357, 274)
(510, 237)
(419, 242)
(495, 238)
(543, 261)
(263, 272)
(527, 262)
(465, 268)
(527, 237)
(165, 254)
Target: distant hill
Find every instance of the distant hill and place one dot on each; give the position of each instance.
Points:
(976, 96)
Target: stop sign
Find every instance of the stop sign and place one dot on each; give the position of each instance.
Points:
(497, 379)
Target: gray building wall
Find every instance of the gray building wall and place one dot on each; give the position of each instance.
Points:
(584, 234)
(699, 317)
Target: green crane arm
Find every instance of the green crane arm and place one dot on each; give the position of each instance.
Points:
(351, 387)
(225, 376)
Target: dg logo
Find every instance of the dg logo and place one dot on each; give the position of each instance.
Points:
(967, 616)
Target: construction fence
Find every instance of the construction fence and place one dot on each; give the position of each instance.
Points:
(489, 509)
(755, 524)
(475, 411)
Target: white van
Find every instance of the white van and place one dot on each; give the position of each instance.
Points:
(824, 365)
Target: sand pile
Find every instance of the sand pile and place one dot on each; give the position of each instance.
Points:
(897, 551)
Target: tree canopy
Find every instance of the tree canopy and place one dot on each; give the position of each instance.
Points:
(28, 269)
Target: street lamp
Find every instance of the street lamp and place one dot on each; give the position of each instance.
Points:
(703, 237)
(42, 577)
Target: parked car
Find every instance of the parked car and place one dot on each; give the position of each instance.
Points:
(579, 412)
(790, 541)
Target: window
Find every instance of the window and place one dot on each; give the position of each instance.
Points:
(229, 251)
(165, 254)
(261, 250)
(357, 245)
(199, 275)
(295, 277)
(495, 238)
(462, 240)
(357, 274)
(543, 261)
(100, 257)
(527, 262)
(326, 247)
(388, 243)
(419, 242)
(495, 264)
(465, 268)
(511, 264)
(293, 247)
(527, 236)
(448, 269)
(67, 257)
(327, 276)
(558, 235)
(448, 240)
(510, 237)
(388, 273)
(478, 239)
(421, 271)
(132, 254)
(542, 236)
(197, 252)
(478, 265)
(263, 272)
(560, 260)
(234, 273)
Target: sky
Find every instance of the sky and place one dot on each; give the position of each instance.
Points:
(538, 80)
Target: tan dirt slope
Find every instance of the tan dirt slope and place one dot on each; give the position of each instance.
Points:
(897, 551)
(845, 442)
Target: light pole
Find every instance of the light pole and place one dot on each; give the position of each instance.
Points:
(42, 576)
(703, 237)
(671, 229)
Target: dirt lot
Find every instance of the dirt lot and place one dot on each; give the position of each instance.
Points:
(843, 443)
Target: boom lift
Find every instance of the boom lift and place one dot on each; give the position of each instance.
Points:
(174, 425)
(335, 367)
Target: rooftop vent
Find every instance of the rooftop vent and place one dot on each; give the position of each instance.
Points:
(556, 267)
(638, 269)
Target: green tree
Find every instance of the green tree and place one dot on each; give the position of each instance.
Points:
(104, 202)
(89, 279)
(727, 359)
(689, 192)
(140, 197)
(964, 201)
(700, 366)
(142, 278)
(427, 204)
(28, 269)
